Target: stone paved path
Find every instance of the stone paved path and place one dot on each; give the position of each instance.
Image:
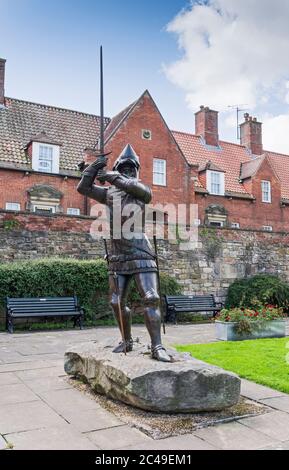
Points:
(40, 410)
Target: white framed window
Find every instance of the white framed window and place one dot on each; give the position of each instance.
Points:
(216, 182)
(43, 209)
(45, 157)
(266, 192)
(215, 223)
(159, 172)
(12, 206)
(73, 211)
(235, 225)
(268, 228)
(45, 160)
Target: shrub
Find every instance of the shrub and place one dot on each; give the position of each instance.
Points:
(248, 320)
(258, 290)
(67, 277)
(55, 278)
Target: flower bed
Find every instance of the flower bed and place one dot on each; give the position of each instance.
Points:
(243, 323)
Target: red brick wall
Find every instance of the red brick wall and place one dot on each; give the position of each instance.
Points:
(179, 187)
(256, 214)
(14, 186)
(251, 135)
(46, 223)
(206, 124)
(251, 214)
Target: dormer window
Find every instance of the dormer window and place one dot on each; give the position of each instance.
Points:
(45, 160)
(45, 153)
(45, 157)
(216, 183)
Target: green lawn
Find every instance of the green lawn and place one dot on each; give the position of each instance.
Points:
(263, 361)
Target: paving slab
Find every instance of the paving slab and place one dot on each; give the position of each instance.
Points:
(57, 438)
(274, 424)
(7, 378)
(28, 365)
(63, 401)
(14, 358)
(92, 420)
(258, 392)
(235, 436)
(3, 443)
(47, 384)
(185, 442)
(16, 393)
(282, 446)
(118, 438)
(27, 416)
(35, 359)
(43, 373)
(279, 403)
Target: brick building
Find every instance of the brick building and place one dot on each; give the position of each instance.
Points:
(240, 186)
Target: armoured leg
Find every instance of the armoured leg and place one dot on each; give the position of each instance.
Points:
(123, 284)
(147, 286)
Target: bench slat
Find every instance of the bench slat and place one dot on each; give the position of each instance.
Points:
(47, 314)
(43, 307)
(190, 304)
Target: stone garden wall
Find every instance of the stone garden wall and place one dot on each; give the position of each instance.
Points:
(222, 254)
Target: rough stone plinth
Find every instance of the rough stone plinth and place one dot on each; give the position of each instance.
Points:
(183, 386)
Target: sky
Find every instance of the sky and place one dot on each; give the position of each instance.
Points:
(217, 53)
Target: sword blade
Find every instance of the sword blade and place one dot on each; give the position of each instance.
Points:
(101, 137)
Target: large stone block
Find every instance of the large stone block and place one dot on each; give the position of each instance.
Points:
(182, 386)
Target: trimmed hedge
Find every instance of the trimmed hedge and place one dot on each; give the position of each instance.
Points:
(261, 289)
(67, 277)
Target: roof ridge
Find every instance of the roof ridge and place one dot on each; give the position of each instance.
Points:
(221, 141)
(120, 118)
(276, 153)
(54, 107)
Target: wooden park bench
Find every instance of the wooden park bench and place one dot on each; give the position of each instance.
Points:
(190, 304)
(56, 307)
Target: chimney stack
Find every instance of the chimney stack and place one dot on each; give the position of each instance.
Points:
(251, 134)
(207, 125)
(2, 80)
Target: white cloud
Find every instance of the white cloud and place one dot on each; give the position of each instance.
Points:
(275, 133)
(233, 52)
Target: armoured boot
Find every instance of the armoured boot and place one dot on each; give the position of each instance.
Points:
(124, 346)
(160, 354)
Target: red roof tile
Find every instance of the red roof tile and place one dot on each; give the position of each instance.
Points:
(227, 156)
(280, 164)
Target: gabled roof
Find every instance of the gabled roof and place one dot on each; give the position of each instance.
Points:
(235, 160)
(249, 169)
(43, 138)
(120, 118)
(227, 156)
(210, 166)
(21, 121)
(117, 120)
(280, 164)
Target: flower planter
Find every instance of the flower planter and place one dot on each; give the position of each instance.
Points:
(226, 331)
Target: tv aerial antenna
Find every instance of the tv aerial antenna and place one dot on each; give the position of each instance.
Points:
(239, 109)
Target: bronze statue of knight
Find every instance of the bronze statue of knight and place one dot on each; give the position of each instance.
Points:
(130, 256)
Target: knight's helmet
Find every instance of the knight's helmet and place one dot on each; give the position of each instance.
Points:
(128, 155)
